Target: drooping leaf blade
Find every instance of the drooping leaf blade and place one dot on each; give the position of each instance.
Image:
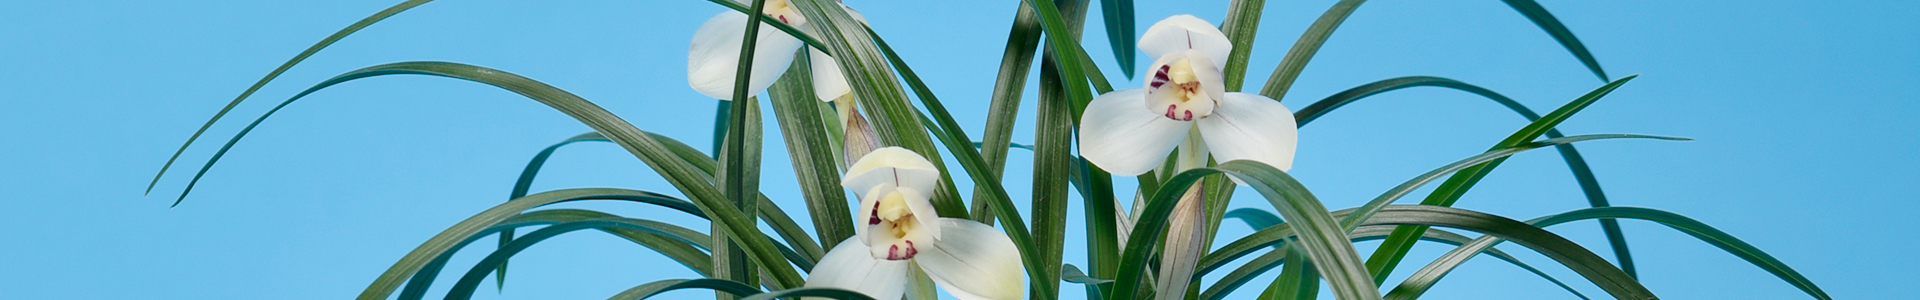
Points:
(1589, 184)
(322, 44)
(1395, 248)
(1118, 15)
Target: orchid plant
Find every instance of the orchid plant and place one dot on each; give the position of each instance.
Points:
(888, 220)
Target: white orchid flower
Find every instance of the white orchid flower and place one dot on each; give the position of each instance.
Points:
(714, 57)
(898, 226)
(1130, 132)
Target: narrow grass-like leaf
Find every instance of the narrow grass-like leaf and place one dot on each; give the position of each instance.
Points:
(685, 246)
(1297, 280)
(329, 40)
(953, 138)
(1003, 106)
(808, 147)
(1240, 276)
(944, 128)
(1243, 20)
(1395, 247)
(1327, 245)
(1003, 205)
(1589, 185)
(1421, 280)
(810, 292)
(1321, 237)
(1070, 273)
(465, 230)
(678, 172)
(1304, 48)
(650, 289)
(739, 157)
(465, 287)
(769, 20)
(873, 83)
(776, 217)
(1316, 35)
(1254, 217)
(1119, 19)
(1275, 234)
(722, 115)
(1064, 40)
(1552, 25)
(1567, 253)
(1053, 137)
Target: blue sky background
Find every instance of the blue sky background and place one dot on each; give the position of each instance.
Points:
(1800, 111)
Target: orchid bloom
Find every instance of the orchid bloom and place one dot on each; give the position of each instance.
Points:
(714, 57)
(1185, 104)
(898, 226)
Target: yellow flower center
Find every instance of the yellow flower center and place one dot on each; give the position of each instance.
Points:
(899, 228)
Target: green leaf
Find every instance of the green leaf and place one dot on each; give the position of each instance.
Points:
(1118, 15)
(1278, 236)
(651, 151)
(1589, 185)
(808, 147)
(1327, 244)
(1254, 217)
(810, 292)
(1063, 83)
(1395, 247)
(1316, 35)
(1567, 253)
(1070, 273)
(739, 157)
(650, 289)
(1304, 48)
(525, 182)
(466, 230)
(1063, 39)
(1004, 108)
(852, 46)
(337, 35)
(769, 210)
(764, 19)
(465, 287)
(1421, 280)
(1243, 20)
(1547, 22)
(1297, 280)
(722, 114)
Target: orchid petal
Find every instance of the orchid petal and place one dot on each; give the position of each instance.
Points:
(1251, 127)
(1208, 70)
(828, 82)
(895, 165)
(849, 267)
(714, 57)
(1125, 139)
(975, 261)
(869, 202)
(1182, 32)
(922, 211)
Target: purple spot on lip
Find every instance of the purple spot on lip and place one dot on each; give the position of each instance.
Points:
(1170, 108)
(1159, 77)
